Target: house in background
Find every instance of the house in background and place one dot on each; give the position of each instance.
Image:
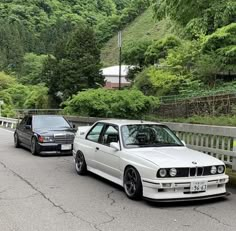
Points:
(111, 75)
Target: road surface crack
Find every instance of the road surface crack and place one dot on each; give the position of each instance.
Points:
(211, 217)
(113, 201)
(48, 199)
(112, 218)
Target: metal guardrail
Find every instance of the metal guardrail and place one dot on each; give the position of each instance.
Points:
(217, 141)
(8, 122)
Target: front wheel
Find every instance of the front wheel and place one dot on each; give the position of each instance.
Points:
(132, 184)
(16, 141)
(80, 164)
(33, 147)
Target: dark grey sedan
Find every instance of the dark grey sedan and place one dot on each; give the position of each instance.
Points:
(45, 134)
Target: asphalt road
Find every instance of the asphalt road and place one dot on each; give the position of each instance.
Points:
(45, 194)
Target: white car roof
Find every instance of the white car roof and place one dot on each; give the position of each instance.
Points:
(127, 122)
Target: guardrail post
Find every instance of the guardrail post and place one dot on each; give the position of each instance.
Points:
(234, 157)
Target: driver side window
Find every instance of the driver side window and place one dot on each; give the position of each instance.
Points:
(94, 134)
(110, 135)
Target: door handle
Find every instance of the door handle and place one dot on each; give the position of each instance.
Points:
(97, 148)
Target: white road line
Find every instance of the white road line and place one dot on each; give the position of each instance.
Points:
(6, 130)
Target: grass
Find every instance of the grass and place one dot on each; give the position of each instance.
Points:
(226, 120)
(143, 28)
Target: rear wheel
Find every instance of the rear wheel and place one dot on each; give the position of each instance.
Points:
(33, 147)
(80, 164)
(132, 184)
(16, 141)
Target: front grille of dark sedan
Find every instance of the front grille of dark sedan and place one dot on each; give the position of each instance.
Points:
(64, 139)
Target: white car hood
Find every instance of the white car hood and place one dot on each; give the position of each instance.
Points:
(166, 157)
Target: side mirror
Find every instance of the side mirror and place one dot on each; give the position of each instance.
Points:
(115, 145)
(28, 127)
(183, 142)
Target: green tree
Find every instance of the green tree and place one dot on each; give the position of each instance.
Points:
(223, 44)
(134, 53)
(158, 82)
(31, 69)
(198, 16)
(159, 49)
(76, 65)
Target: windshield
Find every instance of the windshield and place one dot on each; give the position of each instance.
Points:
(50, 122)
(148, 135)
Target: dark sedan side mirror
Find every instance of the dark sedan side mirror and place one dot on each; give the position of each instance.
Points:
(28, 127)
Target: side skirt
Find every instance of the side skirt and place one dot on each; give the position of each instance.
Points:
(105, 175)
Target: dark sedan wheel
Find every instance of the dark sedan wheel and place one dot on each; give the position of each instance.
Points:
(132, 184)
(16, 141)
(33, 146)
(80, 164)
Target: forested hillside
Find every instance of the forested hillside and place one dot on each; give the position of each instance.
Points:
(55, 45)
(50, 51)
(143, 28)
(197, 57)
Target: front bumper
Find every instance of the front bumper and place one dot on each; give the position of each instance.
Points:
(54, 148)
(178, 189)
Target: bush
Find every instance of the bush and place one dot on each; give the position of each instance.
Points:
(110, 103)
(153, 81)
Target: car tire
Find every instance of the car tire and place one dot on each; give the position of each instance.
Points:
(16, 141)
(33, 147)
(132, 183)
(80, 164)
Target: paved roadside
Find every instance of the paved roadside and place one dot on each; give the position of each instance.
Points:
(45, 194)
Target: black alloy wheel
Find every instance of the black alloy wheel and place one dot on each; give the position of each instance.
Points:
(80, 164)
(33, 147)
(132, 184)
(16, 141)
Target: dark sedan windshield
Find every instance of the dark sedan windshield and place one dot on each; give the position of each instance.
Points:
(148, 135)
(50, 122)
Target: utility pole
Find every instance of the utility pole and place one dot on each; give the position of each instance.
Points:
(120, 52)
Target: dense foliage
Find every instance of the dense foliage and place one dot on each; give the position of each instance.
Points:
(38, 25)
(197, 16)
(52, 47)
(75, 66)
(117, 104)
(18, 96)
(199, 55)
(50, 53)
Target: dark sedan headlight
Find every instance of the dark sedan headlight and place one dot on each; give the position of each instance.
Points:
(46, 139)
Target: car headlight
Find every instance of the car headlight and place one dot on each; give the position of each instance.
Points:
(46, 139)
(213, 170)
(173, 172)
(220, 169)
(162, 172)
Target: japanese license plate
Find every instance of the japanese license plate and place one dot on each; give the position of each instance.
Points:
(198, 186)
(66, 147)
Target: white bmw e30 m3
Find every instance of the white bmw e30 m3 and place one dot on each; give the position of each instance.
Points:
(148, 160)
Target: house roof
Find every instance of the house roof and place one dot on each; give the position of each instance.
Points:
(113, 71)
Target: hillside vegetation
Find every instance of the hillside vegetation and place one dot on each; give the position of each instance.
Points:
(144, 28)
(54, 45)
